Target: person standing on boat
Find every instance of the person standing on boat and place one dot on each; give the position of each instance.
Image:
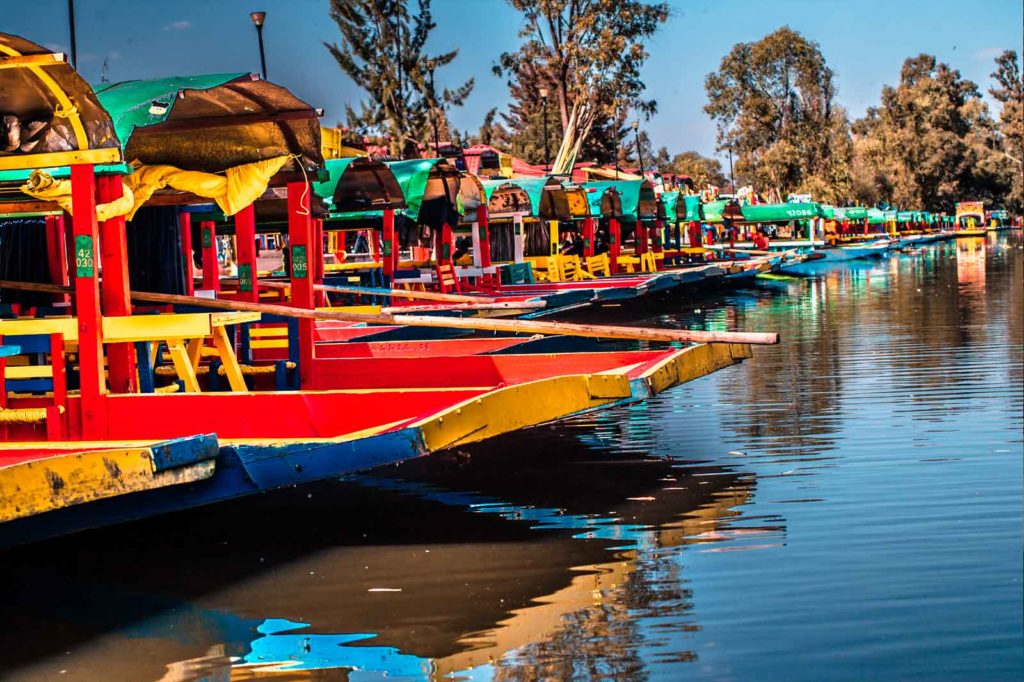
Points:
(760, 240)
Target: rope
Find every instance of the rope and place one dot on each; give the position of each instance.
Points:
(26, 415)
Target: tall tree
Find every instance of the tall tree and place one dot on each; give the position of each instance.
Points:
(703, 171)
(1009, 92)
(774, 103)
(588, 53)
(382, 50)
(930, 142)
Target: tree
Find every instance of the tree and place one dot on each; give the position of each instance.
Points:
(383, 52)
(774, 103)
(703, 171)
(1010, 94)
(588, 53)
(930, 142)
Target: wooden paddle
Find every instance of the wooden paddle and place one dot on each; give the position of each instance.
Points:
(485, 324)
(398, 293)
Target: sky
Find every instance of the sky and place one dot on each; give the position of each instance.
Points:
(863, 41)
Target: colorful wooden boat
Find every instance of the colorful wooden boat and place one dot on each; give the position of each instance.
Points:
(217, 421)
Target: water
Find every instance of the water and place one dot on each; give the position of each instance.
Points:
(847, 505)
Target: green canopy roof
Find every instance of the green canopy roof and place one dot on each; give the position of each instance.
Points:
(854, 212)
(692, 202)
(828, 212)
(211, 122)
(358, 182)
(905, 216)
(773, 213)
(670, 200)
(631, 192)
(533, 187)
(875, 216)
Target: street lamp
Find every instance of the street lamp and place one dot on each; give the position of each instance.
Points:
(257, 20)
(639, 152)
(433, 119)
(732, 178)
(544, 112)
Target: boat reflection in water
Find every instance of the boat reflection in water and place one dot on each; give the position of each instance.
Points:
(525, 556)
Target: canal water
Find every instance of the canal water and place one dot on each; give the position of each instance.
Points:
(846, 505)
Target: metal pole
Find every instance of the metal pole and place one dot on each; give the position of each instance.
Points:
(544, 113)
(262, 56)
(732, 178)
(71, 31)
(433, 119)
(639, 152)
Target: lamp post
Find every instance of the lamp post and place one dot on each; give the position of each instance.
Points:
(544, 113)
(732, 178)
(433, 119)
(71, 32)
(258, 18)
(639, 152)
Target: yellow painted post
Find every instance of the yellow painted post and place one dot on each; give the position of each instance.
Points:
(553, 232)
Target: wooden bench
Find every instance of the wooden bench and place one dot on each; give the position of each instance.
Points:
(183, 333)
(447, 280)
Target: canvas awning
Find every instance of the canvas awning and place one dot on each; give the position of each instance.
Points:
(57, 119)
(780, 213)
(636, 199)
(854, 212)
(213, 122)
(359, 184)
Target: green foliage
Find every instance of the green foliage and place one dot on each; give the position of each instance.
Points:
(382, 50)
(703, 171)
(774, 103)
(930, 143)
(1009, 92)
(588, 53)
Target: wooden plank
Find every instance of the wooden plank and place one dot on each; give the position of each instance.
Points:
(512, 326)
(28, 372)
(52, 59)
(54, 482)
(52, 159)
(65, 326)
(156, 327)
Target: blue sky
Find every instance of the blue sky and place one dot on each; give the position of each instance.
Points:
(864, 41)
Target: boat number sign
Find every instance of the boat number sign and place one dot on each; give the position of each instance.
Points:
(300, 265)
(387, 248)
(245, 277)
(85, 258)
(207, 238)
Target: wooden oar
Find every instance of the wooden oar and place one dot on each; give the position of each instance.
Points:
(398, 293)
(485, 324)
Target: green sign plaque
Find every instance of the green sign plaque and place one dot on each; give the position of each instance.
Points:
(207, 238)
(245, 277)
(300, 266)
(85, 258)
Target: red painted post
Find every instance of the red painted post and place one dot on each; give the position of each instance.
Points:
(57, 253)
(588, 236)
(300, 236)
(245, 250)
(445, 245)
(659, 236)
(614, 243)
(115, 287)
(87, 302)
(483, 224)
(185, 225)
(640, 238)
(319, 297)
(211, 268)
(390, 244)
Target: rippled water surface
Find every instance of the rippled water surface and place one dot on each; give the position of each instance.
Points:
(846, 505)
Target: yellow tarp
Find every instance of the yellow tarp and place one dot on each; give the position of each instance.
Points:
(233, 191)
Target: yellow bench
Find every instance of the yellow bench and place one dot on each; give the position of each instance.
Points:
(184, 334)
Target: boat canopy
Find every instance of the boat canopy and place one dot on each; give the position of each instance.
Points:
(518, 195)
(780, 213)
(604, 199)
(358, 184)
(692, 203)
(670, 203)
(57, 118)
(905, 216)
(828, 212)
(637, 199)
(212, 123)
(717, 211)
(875, 216)
(853, 212)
